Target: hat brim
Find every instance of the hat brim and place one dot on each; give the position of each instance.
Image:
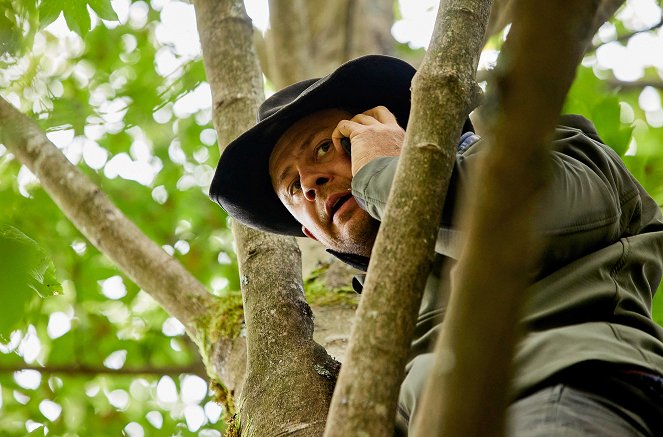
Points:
(241, 183)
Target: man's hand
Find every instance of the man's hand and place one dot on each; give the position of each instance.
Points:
(373, 134)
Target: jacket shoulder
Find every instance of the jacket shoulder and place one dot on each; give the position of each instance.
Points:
(579, 122)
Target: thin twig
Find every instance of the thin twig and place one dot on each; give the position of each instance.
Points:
(626, 36)
(615, 83)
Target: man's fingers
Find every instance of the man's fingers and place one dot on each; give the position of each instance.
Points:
(376, 130)
(365, 119)
(345, 129)
(377, 115)
(381, 114)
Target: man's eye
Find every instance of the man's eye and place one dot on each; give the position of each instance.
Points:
(295, 187)
(323, 149)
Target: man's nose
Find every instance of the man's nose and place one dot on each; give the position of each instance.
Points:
(312, 184)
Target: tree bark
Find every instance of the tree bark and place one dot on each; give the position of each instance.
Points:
(502, 14)
(290, 378)
(345, 29)
(368, 28)
(288, 39)
(467, 391)
(367, 390)
(334, 32)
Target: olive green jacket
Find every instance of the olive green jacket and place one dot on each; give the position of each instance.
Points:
(591, 299)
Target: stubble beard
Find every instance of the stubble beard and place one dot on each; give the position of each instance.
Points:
(359, 237)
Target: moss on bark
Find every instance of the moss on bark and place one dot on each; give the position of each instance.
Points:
(320, 290)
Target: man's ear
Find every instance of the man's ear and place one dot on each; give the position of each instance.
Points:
(308, 233)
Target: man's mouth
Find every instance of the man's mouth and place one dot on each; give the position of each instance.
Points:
(335, 202)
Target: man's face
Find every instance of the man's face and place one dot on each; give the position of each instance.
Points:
(312, 178)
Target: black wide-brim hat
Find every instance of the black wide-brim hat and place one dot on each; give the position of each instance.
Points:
(242, 185)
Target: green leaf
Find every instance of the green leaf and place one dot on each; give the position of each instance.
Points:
(25, 270)
(40, 430)
(104, 9)
(657, 306)
(42, 270)
(49, 11)
(583, 93)
(77, 16)
(9, 35)
(607, 121)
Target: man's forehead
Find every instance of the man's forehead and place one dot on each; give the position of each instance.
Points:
(290, 146)
(308, 126)
(302, 133)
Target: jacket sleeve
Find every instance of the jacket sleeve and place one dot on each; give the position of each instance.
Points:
(371, 185)
(591, 201)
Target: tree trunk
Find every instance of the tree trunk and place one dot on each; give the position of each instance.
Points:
(480, 330)
(290, 378)
(288, 37)
(310, 39)
(367, 390)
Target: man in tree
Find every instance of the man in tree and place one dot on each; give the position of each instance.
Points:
(320, 162)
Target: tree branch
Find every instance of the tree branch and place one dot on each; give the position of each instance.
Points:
(104, 225)
(604, 11)
(467, 390)
(366, 394)
(625, 37)
(500, 16)
(85, 370)
(656, 83)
